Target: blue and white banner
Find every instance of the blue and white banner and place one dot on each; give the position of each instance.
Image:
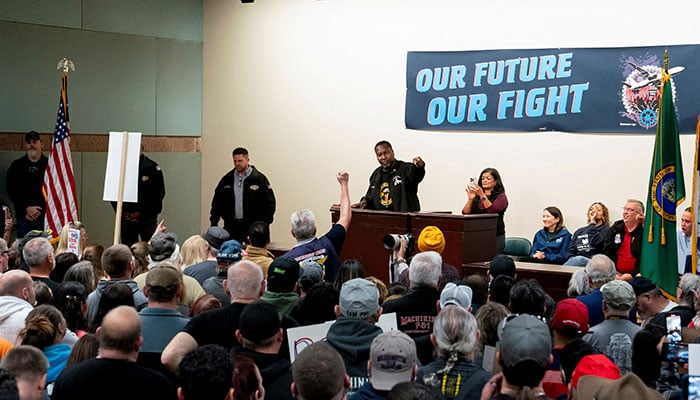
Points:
(570, 90)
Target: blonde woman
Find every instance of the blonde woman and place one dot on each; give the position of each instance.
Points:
(63, 237)
(193, 251)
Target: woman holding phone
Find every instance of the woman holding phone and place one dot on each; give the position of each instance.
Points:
(488, 196)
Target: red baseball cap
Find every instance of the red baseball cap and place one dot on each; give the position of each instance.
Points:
(573, 313)
(595, 365)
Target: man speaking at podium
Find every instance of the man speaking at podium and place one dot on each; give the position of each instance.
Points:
(393, 186)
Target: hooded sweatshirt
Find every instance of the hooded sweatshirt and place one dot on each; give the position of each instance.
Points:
(93, 299)
(352, 338)
(13, 312)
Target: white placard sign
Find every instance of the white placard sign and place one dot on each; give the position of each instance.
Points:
(74, 241)
(303, 336)
(131, 175)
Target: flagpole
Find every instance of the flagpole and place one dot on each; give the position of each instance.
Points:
(659, 258)
(694, 202)
(59, 183)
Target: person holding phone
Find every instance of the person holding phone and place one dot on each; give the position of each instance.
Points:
(488, 196)
(8, 222)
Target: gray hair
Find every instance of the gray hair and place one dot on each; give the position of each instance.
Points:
(689, 285)
(455, 330)
(244, 280)
(3, 244)
(425, 269)
(640, 205)
(600, 269)
(578, 284)
(36, 251)
(303, 224)
(82, 272)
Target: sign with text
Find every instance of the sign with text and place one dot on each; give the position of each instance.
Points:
(570, 90)
(302, 336)
(74, 241)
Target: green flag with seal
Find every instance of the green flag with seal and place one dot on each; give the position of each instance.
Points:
(666, 190)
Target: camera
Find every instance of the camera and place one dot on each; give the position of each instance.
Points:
(393, 241)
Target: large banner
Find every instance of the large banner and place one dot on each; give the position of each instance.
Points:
(570, 90)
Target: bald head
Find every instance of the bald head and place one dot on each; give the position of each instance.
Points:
(120, 330)
(245, 280)
(19, 284)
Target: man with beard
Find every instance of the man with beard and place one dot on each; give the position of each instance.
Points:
(393, 186)
(24, 180)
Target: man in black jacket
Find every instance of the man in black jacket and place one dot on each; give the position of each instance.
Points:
(260, 332)
(24, 180)
(141, 218)
(244, 195)
(393, 186)
(416, 310)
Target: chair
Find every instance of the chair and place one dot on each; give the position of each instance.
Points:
(517, 247)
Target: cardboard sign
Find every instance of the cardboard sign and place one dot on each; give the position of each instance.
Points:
(131, 168)
(74, 241)
(303, 336)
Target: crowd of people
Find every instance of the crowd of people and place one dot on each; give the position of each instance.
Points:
(480, 337)
(208, 317)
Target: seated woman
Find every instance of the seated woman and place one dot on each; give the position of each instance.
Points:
(551, 243)
(488, 196)
(588, 241)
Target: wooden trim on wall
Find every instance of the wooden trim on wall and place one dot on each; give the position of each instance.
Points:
(93, 142)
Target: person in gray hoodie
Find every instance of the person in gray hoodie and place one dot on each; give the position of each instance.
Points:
(118, 262)
(352, 333)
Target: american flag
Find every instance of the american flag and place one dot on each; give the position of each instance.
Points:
(59, 183)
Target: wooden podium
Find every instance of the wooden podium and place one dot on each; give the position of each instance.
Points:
(469, 238)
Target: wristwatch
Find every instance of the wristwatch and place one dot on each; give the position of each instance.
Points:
(484, 198)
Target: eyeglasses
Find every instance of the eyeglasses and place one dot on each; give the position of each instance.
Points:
(5, 252)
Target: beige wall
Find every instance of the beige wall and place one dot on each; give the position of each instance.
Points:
(138, 68)
(309, 87)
